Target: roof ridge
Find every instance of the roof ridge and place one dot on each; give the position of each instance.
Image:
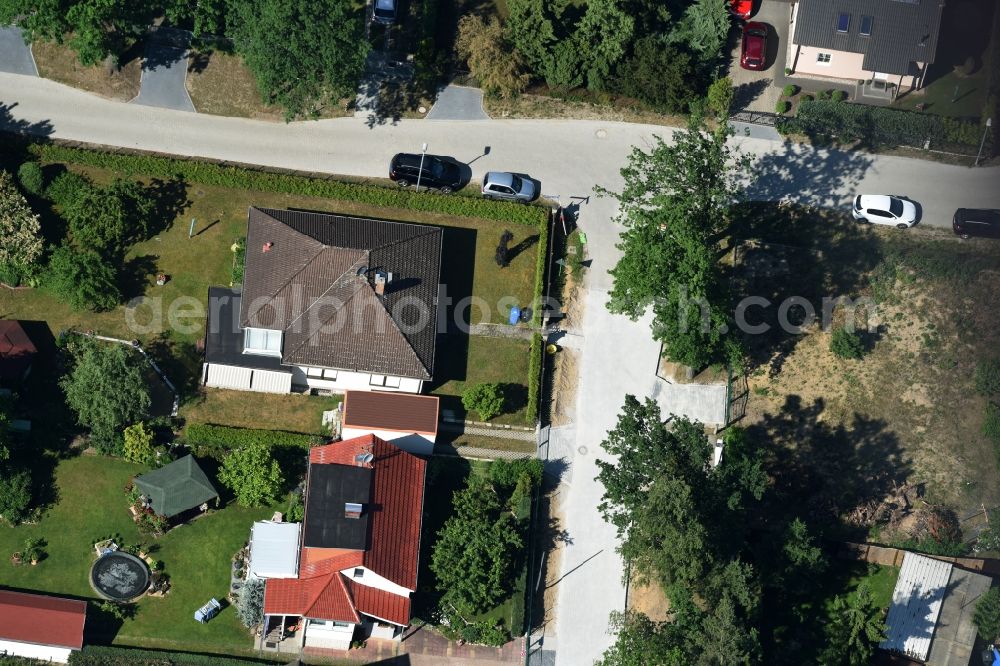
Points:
(364, 255)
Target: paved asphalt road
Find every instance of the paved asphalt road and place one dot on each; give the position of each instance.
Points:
(164, 69)
(15, 55)
(569, 158)
(458, 103)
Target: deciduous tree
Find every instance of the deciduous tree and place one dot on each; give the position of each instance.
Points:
(305, 55)
(83, 279)
(491, 58)
(107, 389)
(485, 399)
(138, 445)
(20, 234)
(109, 219)
(602, 37)
(15, 494)
(252, 473)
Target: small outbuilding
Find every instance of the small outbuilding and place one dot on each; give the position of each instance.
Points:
(177, 488)
(17, 352)
(40, 627)
(407, 421)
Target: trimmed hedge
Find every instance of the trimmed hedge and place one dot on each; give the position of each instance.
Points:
(540, 263)
(877, 125)
(223, 437)
(103, 655)
(537, 356)
(209, 173)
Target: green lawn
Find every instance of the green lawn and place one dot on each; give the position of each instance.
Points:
(294, 412)
(196, 556)
(464, 361)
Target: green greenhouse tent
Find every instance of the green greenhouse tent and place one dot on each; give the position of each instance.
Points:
(177, 487)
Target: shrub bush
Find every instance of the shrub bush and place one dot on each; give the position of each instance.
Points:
(838, 95)
(264, 181)
(31, 177)
(485, 399)
(824, 95)
(987, 615)
(987, 376)
(66, 188)
(219, 439)
(875, 125)
(791, 90)
(991, 425)
(782, 106)
(537, 352)
(846, 344)
(103, 655)
(788, 71)
(808, 98)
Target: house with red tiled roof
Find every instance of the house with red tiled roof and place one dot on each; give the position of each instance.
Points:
(39, 626)
(359, 552)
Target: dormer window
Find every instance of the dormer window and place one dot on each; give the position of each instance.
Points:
(262, 341)
(866, 26)
(843, 22)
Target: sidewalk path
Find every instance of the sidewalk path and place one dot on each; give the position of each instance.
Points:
(15, 55)
(569, 158)
(164, 70)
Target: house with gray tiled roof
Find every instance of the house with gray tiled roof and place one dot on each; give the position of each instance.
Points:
(328, 303)
(889, 44)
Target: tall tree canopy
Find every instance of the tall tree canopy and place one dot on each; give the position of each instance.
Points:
(305, 55)
(107, 389)
(674, 207)
(108, 220)
(252, 473)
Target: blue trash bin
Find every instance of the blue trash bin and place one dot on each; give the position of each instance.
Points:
(515, 315)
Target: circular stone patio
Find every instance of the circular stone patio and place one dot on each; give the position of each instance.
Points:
(119, 576)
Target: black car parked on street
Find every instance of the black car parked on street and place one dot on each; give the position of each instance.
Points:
(438, 173)
(970, 222)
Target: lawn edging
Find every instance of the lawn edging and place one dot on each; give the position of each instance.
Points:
(105, 655)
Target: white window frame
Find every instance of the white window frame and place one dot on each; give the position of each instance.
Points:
(314, 372)
(330, 374)
(272, 342)
(376, 380)
(392, 382)
(824, 59)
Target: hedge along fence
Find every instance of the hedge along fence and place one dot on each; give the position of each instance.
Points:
(102, 655)
(880, 126)
(536, 352)
(218, 438)
(247, 178)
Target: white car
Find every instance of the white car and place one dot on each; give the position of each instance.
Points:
(885, 209)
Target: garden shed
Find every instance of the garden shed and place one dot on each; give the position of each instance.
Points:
(177, 487)
(40, 627)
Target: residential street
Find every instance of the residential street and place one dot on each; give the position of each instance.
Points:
(569, 158)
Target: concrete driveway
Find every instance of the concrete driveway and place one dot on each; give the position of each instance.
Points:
(458, 103)
(569, 158)
(759, 91)
(164, 70)
(15, 55)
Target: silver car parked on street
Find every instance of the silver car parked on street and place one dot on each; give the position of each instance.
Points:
(508, 186)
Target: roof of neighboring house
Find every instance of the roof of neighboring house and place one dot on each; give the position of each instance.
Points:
(224, 338)
(379, 410)
(274, 549)
(903, 31)
(43, 620)
(329, 489)
(176, 487)
(323, 593)
(916, 604)
(312, 276)
(396, 507)
(16, 350)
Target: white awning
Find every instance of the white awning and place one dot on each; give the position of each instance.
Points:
(274, 550)
(916, 604)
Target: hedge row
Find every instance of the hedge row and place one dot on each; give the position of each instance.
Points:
(224, 437)
(102, 655)
(536, 357)
(877, 125)
(540, 263)
(210, 173)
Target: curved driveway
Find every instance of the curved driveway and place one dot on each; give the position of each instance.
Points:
(569, 158)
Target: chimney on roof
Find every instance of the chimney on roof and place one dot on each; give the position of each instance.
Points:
(352, 510)
(267, 246)
(381, 280)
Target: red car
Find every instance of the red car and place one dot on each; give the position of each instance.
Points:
(741, 9)
(754, 52)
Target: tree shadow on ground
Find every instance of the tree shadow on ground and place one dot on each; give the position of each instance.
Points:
(807, 175)
(10, 123)
(746, 93)
(524, 244)
(170, 200)
(515, 397)
(823, 469)
(133, 277)
(180, 361)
